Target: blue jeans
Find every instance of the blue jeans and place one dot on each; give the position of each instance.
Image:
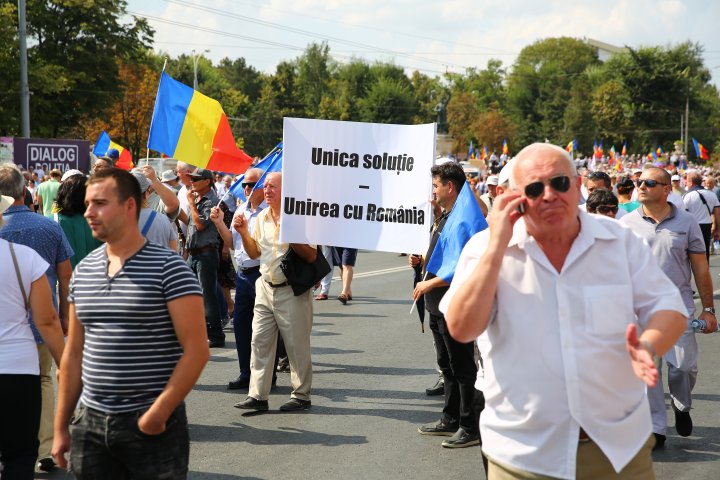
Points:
(242, 320)
(112, 447)
(205, 266)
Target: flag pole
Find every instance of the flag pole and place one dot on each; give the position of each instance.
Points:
(253, 189)
(147, 155)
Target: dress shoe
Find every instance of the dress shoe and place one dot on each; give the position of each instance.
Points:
(437, 389)
(295, 404)
(659, 441)
(251, 403)
(46, 464)
(683, 422)
(462, 439)
(216, 343)
(440, 428)
(239, 383)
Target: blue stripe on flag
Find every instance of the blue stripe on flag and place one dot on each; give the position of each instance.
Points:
(171, 105)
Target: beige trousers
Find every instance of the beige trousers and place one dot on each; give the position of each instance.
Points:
(592, 464)
(47, 415)
(277, 309)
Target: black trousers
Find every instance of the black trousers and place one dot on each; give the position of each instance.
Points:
(706, 229)
(19, 424)
(457, 363)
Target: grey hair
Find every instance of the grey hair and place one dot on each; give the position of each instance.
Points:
(533, 148)
(12, 182)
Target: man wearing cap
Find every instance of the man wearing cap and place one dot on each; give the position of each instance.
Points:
(489, 197)
(202, 248)
(101, 163)
(153, 226)
(170, 179)
(677, 244)
(47, 238)
(160, 198)
(47, 191)
(677, 188)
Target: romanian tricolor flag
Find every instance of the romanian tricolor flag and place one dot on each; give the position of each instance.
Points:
(572, 146)
(598, 151)
(471, 152)
(193, 128)
(659, 151)
(505, 147)
(103, 145)
(624, 150)
(700, 151)
(611, 154)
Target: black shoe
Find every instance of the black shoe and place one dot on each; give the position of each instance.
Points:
(437, 389)
(439, 429)
(251, 403)
(225, 320)
(46, 464)
(683, 422)
(239, 383)
(462, 439)
(216, 343)
(295, 404)
(283, 366)
(659, 441)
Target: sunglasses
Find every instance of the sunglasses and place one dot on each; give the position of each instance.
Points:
(649, 183)
(605, 209)
(560, 184)
(193, 180)
(601, 175)
(248, 184)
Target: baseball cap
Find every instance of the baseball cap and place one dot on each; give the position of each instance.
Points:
(168, 176)
(202, 174)
(142, 180)
(675, 178)
(492, 180)
(113, 153)
(70, 173)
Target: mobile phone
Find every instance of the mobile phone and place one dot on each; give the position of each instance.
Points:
(521, 208)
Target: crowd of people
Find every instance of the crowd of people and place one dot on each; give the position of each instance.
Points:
(135, 269)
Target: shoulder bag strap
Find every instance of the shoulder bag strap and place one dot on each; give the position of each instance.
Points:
(148, 223)
(702, 199)
(19, 277)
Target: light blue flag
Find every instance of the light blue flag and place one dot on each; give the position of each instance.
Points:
(101, 144)
(271, 163)
(464, 221)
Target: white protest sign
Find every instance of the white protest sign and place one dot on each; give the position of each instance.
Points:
(357, 185)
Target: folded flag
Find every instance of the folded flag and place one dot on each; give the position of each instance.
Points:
(700, 151)
(103, 146)
(271, 163)
(505, 149)
(193, 128)
(464, 221)
(571, 146)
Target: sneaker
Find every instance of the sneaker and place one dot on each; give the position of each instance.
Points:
(438, 429)
(251, 403)
(437, 389)
(462, 439)
(295, 404)
(659, 441)
(683, 422)
(46, 464)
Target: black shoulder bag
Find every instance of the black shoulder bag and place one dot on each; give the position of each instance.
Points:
(302, 275)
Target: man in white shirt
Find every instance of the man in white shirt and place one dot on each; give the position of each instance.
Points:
(571, 312)
(703, 205)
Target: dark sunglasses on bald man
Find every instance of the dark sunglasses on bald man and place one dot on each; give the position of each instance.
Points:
(248, 184)
(650, 183)
(560, 184)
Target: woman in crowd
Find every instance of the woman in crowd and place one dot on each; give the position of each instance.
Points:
(602, 202)
(625, 189)
(25, 289)
(70, 208)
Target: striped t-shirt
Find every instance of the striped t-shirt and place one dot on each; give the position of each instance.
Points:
(130, 347)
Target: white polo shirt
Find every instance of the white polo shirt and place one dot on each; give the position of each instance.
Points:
(695, 206)
(554, 350)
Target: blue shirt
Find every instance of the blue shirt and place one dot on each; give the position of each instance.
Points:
(24, 227)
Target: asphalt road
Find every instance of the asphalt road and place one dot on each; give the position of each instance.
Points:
(371, 367)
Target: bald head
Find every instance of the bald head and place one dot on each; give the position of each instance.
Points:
(536, 150)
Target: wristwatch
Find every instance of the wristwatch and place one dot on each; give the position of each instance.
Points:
(709, 309)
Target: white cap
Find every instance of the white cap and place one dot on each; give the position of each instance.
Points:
(142, 180)
(492, 180)
(504, 175)
(675, 178)
(70, 173)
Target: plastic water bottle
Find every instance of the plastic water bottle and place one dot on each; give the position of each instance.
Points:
(699, 325)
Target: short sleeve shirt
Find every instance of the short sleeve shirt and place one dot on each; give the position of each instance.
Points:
(267, 236)
(695, 206)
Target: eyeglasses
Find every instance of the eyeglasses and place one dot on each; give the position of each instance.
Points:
(248, 184)
(650, 183)
(605, 209)
(560, 184)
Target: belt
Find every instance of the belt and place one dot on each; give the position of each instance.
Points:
(277, 285)
(196, 251)
(250, 269)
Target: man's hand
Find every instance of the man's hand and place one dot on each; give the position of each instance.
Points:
(151, 423)
(421, 288)
(61, 446)
(642, 360)
(503, 217)
(149, 172)
(191, 196)
(710, 320)
(414, 260)
(240, 223)
(216, 215)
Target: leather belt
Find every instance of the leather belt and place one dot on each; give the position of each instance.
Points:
(196, 251)
(250, 269)
(277, 285)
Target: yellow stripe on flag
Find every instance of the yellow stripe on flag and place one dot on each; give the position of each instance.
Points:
(198, 131)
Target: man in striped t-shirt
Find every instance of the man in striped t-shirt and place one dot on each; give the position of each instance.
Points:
(136, 346)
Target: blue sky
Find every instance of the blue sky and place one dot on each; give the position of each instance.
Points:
(430, 36)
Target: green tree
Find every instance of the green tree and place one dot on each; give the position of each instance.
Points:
(611, 112)
(461, 113)
(388, 101)
(314, 70)
(73, 58)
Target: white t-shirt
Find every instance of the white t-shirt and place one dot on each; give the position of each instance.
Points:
(695, 206)
(18, 352)
(161, 231)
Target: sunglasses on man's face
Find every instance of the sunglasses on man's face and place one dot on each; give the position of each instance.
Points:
(248, 184)
(560, 184)
(605, 209)
(649, 183)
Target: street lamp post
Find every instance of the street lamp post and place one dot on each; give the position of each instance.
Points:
(195, 64)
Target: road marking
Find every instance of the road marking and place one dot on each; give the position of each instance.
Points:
(375, 273)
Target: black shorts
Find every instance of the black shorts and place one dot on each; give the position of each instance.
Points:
(344, 256)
